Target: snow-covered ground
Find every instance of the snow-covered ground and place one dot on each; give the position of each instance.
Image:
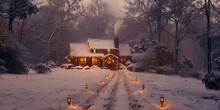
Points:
(107, 90)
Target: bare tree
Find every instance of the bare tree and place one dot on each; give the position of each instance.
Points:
(181, 15)
(51, 24)
(97, 21)
(139, 9)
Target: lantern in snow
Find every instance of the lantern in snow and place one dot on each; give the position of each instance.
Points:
(143, 86)
(69, 100)
(135, 80)
(86, 86)
(161, 101)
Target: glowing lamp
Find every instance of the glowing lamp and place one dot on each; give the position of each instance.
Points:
(100, 81)
(69, 100)
(86, 86)
(143, 86)
(161, 101)
(135, 79)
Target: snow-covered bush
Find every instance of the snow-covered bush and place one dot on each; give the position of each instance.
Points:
(154, 58)
(217, 63)
(138, 67)
(121, 66)
(67, 66)
(212, 81)
(187, 72)
(163, 55)
(86, 67)
(143, 45)
(167, 69)
(128, 62)
(152, 55)
(95, 67)
(185, 68)
(14, 55)
(42, 68)
(78, 67)
(51, 64)
(186, 62)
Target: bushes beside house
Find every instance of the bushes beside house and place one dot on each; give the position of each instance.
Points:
(42, 68)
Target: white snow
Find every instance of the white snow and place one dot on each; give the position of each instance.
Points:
(101, 43)
(124, 50)
(82, 50)
(106, 90)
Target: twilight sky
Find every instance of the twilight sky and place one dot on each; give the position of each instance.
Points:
(115, 7)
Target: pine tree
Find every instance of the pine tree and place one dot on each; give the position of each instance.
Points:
(17, 9)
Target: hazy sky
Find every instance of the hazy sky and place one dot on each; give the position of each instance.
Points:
(115, 7)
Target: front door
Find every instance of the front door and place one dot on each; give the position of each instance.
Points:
(110, 62)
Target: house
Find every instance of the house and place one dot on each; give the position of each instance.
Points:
(105, 53)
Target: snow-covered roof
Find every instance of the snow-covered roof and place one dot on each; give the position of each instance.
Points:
(82, 50)
(101, 44)
(124, 50)
(109, 55)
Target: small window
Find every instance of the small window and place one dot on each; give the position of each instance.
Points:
(82, 61)
(108, 50)
(94, 61)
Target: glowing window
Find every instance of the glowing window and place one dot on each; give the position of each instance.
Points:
(82, 61)
(94, 61)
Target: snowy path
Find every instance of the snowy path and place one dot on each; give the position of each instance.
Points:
(116, 96)
(122, 101)
(106, 99)
(117, 91)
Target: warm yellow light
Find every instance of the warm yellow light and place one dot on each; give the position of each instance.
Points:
(109, 62)
(108, 50)
(74, 107)
(69, 60)
(69, 100)
(86, 86)
(161, 101)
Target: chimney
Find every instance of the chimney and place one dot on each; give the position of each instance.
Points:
(116, 42)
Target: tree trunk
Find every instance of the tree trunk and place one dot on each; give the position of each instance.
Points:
(10, 24)
(150, 27)
(159, 14)
(177, 43)
(207, 9)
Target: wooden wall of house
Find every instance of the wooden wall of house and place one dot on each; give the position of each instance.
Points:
(115, 52)
(89, 61)
(126, 58)
(76, 61)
